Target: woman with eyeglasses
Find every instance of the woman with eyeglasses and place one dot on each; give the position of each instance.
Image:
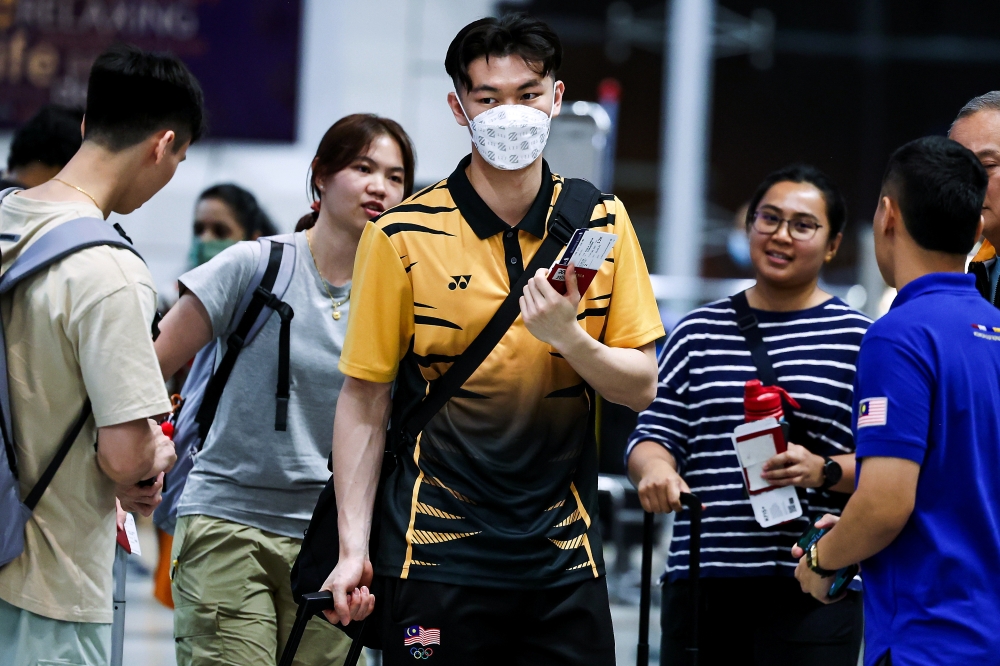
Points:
(753, 611)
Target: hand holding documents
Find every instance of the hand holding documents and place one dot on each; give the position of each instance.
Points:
(756, 443)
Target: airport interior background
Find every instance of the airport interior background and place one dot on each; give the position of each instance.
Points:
(680, 107)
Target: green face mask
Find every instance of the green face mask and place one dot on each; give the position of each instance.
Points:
(203, 251)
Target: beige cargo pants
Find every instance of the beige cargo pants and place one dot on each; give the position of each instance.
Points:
(233, 598)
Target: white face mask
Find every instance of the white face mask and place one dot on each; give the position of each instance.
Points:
(510, 136)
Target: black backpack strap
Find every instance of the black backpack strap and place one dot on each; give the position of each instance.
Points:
(283, 392)
(749, 327)
(262, 297)
(747, 322)
(31, 501)
(572, 211)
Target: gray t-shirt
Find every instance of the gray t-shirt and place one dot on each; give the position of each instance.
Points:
(248, 472)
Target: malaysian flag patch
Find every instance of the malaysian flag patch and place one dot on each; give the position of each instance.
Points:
(873, 412)
(418, 635)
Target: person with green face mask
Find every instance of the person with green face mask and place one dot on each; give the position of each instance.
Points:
(226, 214)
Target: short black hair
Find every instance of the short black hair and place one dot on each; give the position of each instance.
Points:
(132, 94)
(940, 186)
(511, 34)
(245, 209)
(836, 206)
(51, 136)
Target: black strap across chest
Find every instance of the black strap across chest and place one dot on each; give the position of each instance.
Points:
(749, 326)
(262, 297)
(572, 211)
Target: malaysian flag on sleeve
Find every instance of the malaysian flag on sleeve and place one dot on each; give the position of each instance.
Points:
(417, 634)
(873, 412)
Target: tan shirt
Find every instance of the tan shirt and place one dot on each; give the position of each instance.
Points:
(80, 328)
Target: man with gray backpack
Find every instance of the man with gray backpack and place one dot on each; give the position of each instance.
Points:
(81, 382)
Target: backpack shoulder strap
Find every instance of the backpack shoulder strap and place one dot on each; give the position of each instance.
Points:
(281, 281)
(572, 211)
(261, 298)
(66, 239)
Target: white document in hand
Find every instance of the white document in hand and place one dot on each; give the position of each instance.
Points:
(756, 443)
(776, 506)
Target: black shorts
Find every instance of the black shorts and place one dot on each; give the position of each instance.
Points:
(485, 626)
(760, 622)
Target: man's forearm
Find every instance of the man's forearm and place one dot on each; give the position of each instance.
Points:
(358, 444)
(875, 514)
(623, 376)
(126, 452)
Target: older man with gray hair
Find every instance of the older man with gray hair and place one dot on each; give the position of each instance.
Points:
(977, 127)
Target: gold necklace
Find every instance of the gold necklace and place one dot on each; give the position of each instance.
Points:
(336, 303)
(80, 190)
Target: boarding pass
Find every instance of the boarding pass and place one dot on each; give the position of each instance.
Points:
(587, 250)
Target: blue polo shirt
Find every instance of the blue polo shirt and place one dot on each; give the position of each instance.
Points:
(928, 390)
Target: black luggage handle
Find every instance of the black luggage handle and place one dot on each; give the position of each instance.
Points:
(314, 603)
(693, 504)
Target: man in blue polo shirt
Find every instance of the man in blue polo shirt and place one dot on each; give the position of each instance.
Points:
(925, 519)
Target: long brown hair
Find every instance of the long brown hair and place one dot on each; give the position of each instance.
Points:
(348, 138)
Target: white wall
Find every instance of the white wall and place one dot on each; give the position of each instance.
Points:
(379, 56)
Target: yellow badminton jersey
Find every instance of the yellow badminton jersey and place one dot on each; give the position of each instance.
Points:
(500, 489)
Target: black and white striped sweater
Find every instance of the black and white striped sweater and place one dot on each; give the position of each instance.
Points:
(703, 368)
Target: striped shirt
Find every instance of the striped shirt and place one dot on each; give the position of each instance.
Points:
(703, 368)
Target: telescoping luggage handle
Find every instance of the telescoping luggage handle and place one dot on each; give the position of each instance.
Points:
(313, 603)
(694, 572)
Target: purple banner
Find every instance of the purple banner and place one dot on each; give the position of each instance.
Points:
(245, 53)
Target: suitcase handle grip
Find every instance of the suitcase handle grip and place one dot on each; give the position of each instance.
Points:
(314, 602)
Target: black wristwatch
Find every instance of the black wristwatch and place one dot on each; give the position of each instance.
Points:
(832, 473)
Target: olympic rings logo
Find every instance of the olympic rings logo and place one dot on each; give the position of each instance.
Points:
(421, 653)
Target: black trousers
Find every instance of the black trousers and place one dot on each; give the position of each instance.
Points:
(484, 626)
(760, 622)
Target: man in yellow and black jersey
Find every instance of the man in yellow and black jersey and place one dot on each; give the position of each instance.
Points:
(489, 541)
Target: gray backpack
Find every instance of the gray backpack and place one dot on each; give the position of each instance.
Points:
(210, 371)
(55, 245)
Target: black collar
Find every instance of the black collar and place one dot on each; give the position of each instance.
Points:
(483, 220)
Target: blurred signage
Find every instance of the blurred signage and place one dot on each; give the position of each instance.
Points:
(245, 53)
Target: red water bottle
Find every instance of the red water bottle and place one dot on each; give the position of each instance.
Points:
(764, 402)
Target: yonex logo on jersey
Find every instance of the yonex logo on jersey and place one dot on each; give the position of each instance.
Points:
(459, 282)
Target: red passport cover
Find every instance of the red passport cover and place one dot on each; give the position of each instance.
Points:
(779, 447)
